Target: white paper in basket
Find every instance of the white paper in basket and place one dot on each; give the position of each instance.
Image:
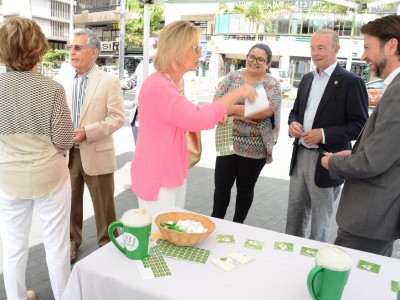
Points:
(260, 103)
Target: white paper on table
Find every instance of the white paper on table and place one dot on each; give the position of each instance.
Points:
(260, 103)
(233, 260)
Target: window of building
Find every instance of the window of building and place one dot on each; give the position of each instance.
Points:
(110, 35)
(296, 23)
(283, 24)
(60, 10)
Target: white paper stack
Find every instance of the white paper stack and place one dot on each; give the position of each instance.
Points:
(261, 103)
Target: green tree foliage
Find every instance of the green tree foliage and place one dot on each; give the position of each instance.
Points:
(55, 56)
(134, 27)
(325, 7)
(319, 7)
(260, 13)
(274, 11)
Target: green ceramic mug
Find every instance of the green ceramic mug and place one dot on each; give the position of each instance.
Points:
(326, 281)
(136, 227)
(398, 291)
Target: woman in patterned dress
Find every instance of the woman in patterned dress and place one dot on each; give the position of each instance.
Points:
(250, 140)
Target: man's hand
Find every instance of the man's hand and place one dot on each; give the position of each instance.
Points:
(313, 136)
(325, 160)
(327, 156)
(80, 135)
(343, 152)
(295, 129)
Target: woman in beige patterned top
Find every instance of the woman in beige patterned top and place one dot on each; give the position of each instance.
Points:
(36, 131)
(244, 144)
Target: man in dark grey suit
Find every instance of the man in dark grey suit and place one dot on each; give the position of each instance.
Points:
(369, 211)
(329, 112)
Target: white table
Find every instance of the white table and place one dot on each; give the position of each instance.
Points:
(108, 274)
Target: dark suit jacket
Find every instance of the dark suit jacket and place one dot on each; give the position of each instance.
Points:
(370, 202)
(342, 113)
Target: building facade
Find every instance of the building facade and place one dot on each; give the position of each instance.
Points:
(226, 38)
(103, 17)
(53, 16)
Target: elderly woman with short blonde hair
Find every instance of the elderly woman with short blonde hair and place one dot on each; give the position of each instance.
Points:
(160, 165)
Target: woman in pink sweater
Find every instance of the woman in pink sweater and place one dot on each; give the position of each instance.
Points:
(160, 164)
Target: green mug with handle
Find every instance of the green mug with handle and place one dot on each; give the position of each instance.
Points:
(326, 281)
(398, 290)
(136, 227)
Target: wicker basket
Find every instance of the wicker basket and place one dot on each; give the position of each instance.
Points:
(183, 238)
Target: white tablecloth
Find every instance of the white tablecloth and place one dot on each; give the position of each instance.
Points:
(108, 274)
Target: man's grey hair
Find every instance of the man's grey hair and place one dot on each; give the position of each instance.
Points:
(334, 34)
(93, 40)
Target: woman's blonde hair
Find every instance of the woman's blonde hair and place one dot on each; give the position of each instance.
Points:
(22, 44)
(175, 39)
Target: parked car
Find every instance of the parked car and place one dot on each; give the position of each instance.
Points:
(283, 77)
(114, 70)
(375, 91)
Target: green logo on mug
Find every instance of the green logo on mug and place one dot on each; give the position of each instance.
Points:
(131, 242)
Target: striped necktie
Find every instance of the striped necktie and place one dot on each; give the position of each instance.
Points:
(80, 83)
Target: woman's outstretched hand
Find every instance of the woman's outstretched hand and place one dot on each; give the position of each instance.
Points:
(247, 91)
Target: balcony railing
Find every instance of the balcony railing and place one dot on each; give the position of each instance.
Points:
(79, 10)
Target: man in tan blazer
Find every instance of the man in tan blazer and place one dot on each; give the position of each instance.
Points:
(97, 111)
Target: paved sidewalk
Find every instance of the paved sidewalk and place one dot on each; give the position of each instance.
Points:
(268, 210)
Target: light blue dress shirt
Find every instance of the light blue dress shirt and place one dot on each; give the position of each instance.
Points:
(318, 87)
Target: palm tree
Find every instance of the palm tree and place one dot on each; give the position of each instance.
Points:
(259, 13)
(274, 11)
(326, 7)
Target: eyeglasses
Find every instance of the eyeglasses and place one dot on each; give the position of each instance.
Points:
(197, 49)
(259, 60)
(75, 47)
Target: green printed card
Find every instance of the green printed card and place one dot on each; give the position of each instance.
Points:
(232, 260)
(193, 254)
(395, 286)
(253, 244)
(155, 261)
(225, 238)
(224, 138)
(283, 246)
(308, 251)
(369, 266)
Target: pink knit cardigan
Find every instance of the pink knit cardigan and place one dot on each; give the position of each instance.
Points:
(161, 159)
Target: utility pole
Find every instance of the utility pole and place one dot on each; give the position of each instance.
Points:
(146, 35)
(71, 21)
(122, 39)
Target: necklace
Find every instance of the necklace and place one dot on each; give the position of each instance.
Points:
(180, 87)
